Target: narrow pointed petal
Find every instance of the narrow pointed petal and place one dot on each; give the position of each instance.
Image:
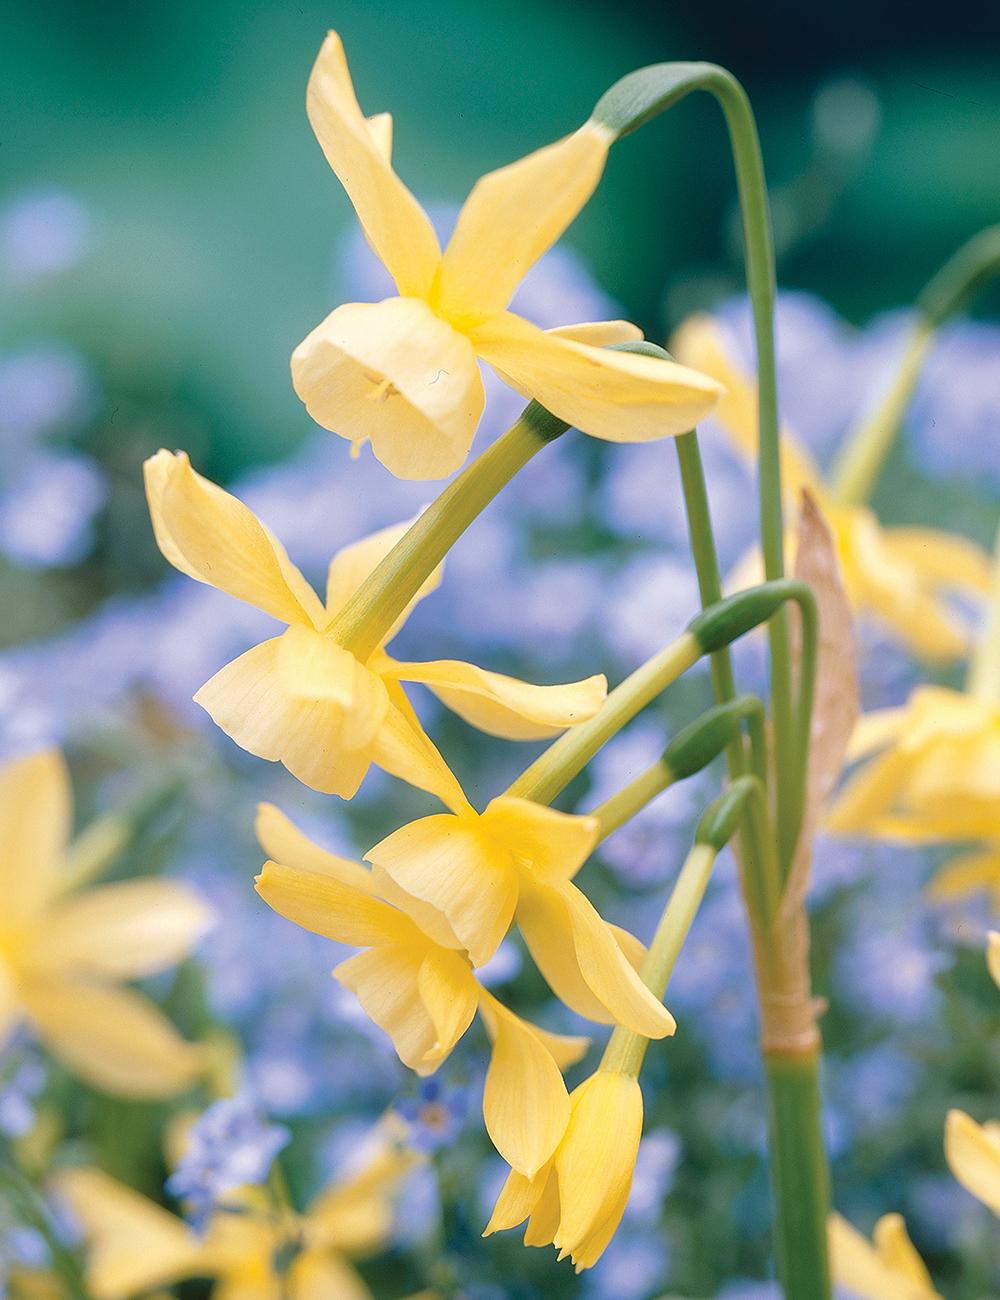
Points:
(511, 217)
(327, 906)
(543, 920)
(967, 874)
(451, 995)
(869, 794)
(395, 225)
(857, 1265)
(396, 374)
(448, 862)
(215, 539)
(285, 843)
(357, 1215)
(941, 557)
(115, 1039)
(898, 1252)
(617, 396)
(973, 1153)
(597, 1159)
(565, 1049)
(403, 748)
(516, 1201)
(124, 931)
(544, 1222)
(874, 731)
(386, 981)
(525, 1103)
(247, 701)
(35, 815)
(598, 334)
(552, 845)
(323, 1275)
(504, 706)
(134, 1245)
(428, 918)
(353, 564)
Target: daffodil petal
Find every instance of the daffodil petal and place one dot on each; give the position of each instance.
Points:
(504, 706)
(403, 748)
(511, 217)
(319, 1275)
(353, 564)
(869, 793)
(247, 701)
(599, 334)
(115, 1039)
(285, 843)
(618, 396)
(35, 814)
(125, 931)
(565, 1049)
(357, 1215)
(395, 225)
(386, 982)
(428, 918)
(940, 557)
(874, 731)
(544, 1222)
(396, 374)
(525, 1102)
(451, 995)
(554, 844)
(327, 906)
(544, 924)
(516, 1201)
(447, 861)
(134, 1245)
(855, 1264)
(212, 537)
(312, 666)
(898, 1252)
(973, 1154)
(966, 874)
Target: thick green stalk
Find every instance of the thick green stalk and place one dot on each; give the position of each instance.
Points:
(363, 622)
(798, 1172)
(625, 107)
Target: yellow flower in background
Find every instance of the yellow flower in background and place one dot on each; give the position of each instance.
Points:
(887, 1268)
(576, 1201)
(470, 875)
(403, 372)
(421, 992)
(135, 1245)
(900, 576)
(973, 1154)
(303, 699)
(62, 958)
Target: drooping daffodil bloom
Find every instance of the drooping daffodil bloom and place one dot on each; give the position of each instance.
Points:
(886, 1268)
(421, 992)
(301, 697)
(577, 1199)
(255, 1249)
(402, 373)
(64, 955)
(465, 877)
(900, 576)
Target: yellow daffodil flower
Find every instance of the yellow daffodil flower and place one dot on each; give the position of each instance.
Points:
(421, 992)
(402, 373)
(973, 1154)
(301, 697)
(887, 1268)
(471, 875)
(898, 575)
(136, 1245)
(62, 957)
(577, 1199)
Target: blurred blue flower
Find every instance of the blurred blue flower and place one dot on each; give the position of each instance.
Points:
(229, 1145)
(47, 515)
(866, 1092)
(887, 967)
(42, 232)
(634, 1265)
(435, 1113)
(22, 1077)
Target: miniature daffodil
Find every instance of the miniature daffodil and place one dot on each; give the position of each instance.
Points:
(471, 875)
(577, 1199)
(887, 1268)
(402, 373)
(63, 956)
(301, 697)
(898, 575)
(254, 1250)
(421, 992)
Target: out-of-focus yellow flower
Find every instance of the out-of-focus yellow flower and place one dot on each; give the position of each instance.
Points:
(420, 991)
(403, 372)
(135, 1245)
(887, 1268)
(973, 1154)
(301, 697)
(577, 1199)
(898, 575)
(62, 958)
(470, 875)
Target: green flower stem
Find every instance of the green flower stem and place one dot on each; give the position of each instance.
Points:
(632, 798)
(860, 461)
(363, 622)
(629, 103)
(983, 676)
(21, 1195)
(798, 1173)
